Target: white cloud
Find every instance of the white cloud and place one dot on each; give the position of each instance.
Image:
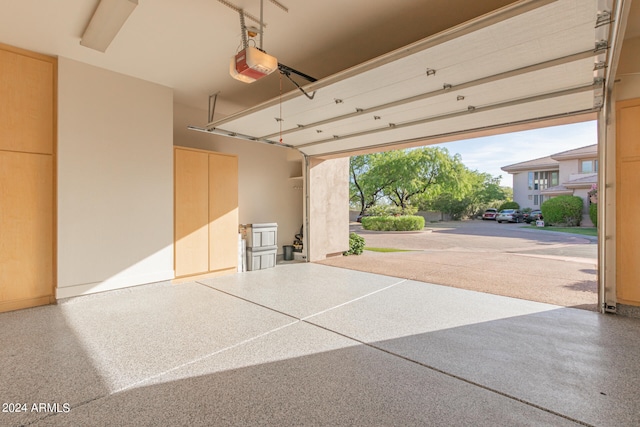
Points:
(489, 154)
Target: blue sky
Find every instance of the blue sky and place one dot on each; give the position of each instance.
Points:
(489, 154)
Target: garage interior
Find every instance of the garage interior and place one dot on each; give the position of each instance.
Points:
(93, 166)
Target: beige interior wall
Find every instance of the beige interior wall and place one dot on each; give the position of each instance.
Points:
(628, 72)
(266, 192)
(115, 180)
(328, 207)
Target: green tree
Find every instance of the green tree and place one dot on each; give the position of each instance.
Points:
(491, 190)
(424, 178)
(368, 179)
(476, 191)
(421, 172)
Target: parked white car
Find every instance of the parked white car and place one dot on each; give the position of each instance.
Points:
(509, 215)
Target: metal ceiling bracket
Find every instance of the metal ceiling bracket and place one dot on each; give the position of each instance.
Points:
(599, 66)
(287, 71)
(212, 108)
(280, 5)
(601, 45)
(222, 132)
(603, 18)
(238, 9)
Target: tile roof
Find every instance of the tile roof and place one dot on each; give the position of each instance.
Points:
(551, 162)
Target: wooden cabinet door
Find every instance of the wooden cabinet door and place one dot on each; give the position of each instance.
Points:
(26, 229)
(627, 201)
(223, 212)
(27, 191)
(191, 212)
(27, 102)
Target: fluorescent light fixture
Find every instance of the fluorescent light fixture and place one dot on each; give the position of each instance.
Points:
(107, 20)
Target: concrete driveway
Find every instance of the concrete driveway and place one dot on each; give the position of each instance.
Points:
(503, 259)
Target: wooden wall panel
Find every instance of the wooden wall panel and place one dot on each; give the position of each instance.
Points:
(223, 212)
(627, 202)
(27, 224)
(191, 212)
(27, 102)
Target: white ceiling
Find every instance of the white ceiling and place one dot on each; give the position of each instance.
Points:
(186, 45)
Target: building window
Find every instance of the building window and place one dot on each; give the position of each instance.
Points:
(530, 180)
(535, 200)
(543, 180)
(588, 166)
(541, 199)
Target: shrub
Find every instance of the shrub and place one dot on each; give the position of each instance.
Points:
(593, 214)
(563, 210)
(391, 210)
(509, 205)
(356, 245)
(393, 223)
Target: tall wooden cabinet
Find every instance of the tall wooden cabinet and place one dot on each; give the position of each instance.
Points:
(627, 201)
(206, 212)
(27, 178)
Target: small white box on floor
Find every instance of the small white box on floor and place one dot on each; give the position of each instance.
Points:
(299, 256)
(262, 235)
(261, 258)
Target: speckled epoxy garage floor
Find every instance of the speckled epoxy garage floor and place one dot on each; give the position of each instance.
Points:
(307, 344)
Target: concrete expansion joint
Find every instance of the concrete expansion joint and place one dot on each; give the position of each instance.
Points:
(307, 320)
(354, 300)
(454, 376)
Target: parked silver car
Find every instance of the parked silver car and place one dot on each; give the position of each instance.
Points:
(509, 215)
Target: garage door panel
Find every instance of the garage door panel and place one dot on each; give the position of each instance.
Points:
(437, 80)
(472, 121)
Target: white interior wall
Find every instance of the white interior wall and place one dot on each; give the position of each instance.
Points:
(267, 193)
(115, 180)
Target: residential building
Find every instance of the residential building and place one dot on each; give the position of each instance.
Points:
(568, 173)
